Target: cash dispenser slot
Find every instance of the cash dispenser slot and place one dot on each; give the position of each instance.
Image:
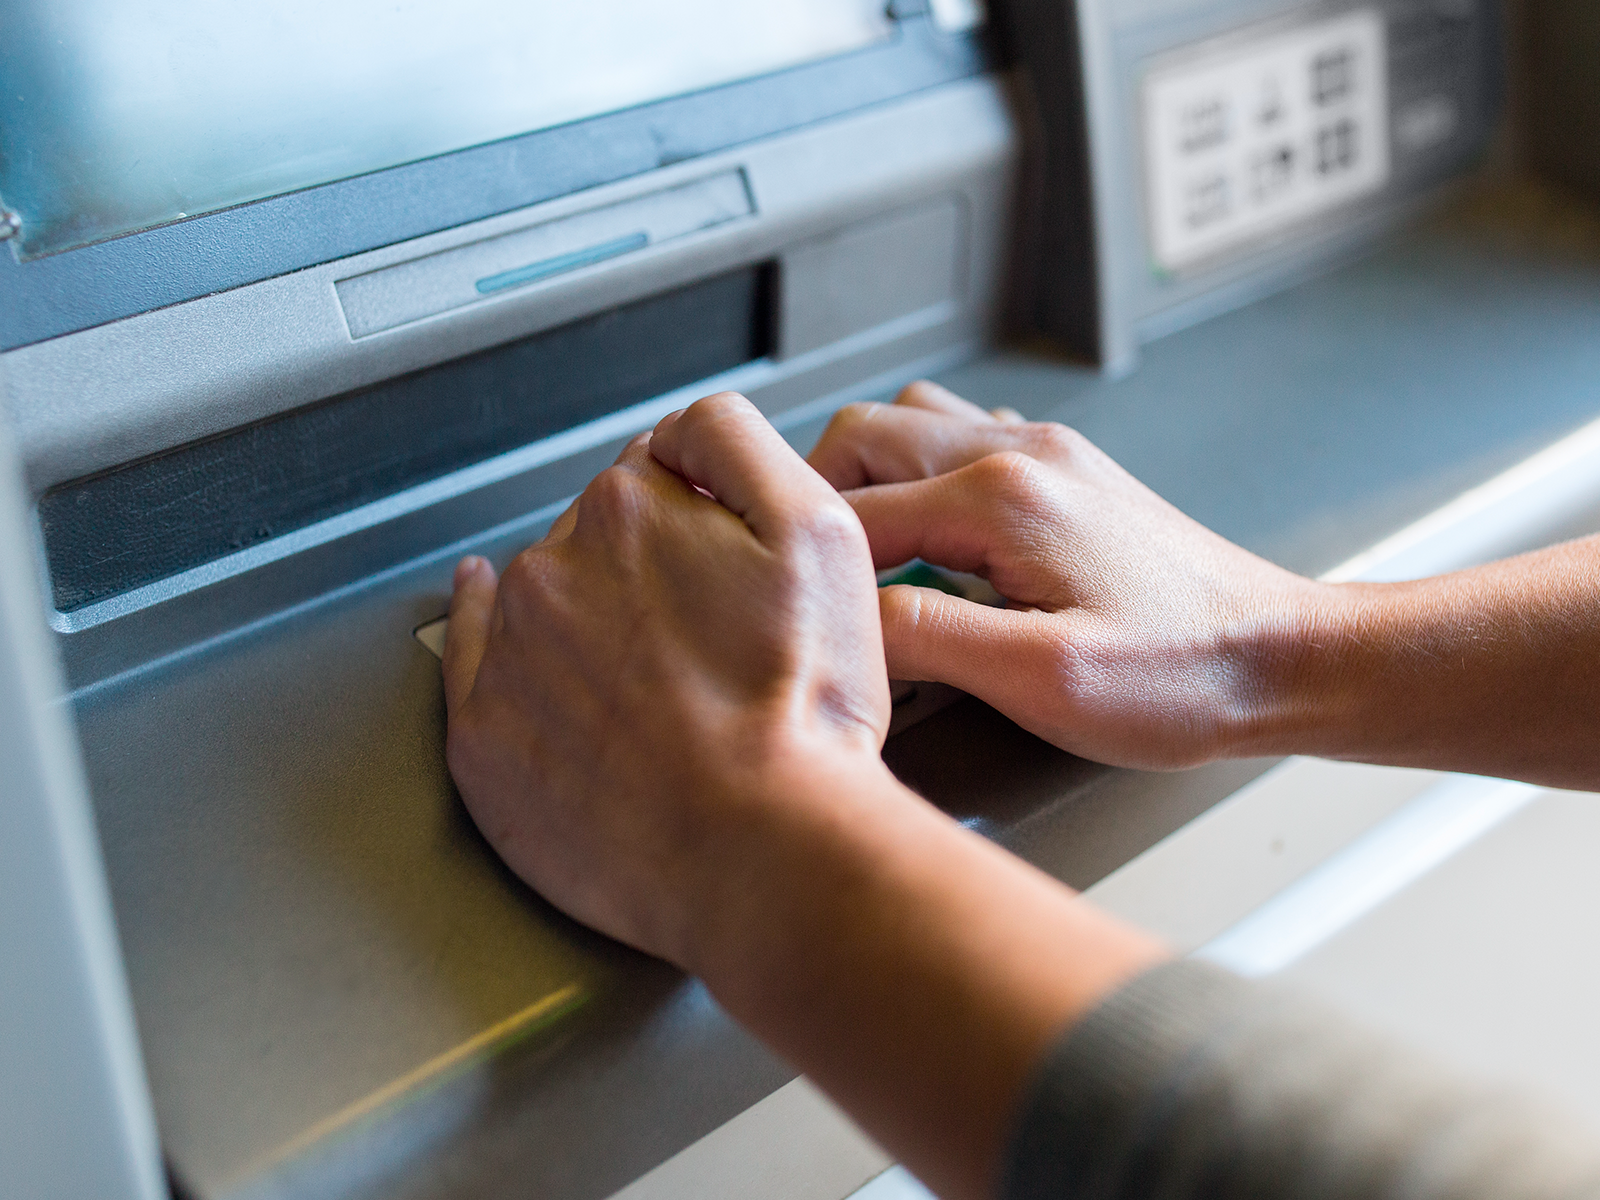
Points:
(144, 521)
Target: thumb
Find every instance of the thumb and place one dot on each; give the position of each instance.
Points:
(471, 614)
(1005, 657)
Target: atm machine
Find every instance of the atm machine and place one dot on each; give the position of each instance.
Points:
(299, 303)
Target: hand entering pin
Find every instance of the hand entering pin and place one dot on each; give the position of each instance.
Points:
(912, 701)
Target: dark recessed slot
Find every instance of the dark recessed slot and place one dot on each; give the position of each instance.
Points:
(130, 526)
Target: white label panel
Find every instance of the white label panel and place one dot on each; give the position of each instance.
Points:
(1255, 136)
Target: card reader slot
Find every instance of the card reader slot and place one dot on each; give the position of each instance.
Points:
(571, 261)
(450, 279)
(135, 524)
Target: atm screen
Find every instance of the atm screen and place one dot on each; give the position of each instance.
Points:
(118, 115)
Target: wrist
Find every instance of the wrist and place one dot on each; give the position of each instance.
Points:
(913, 970)
(1324, 671)
(784, 840)
(1486, 670)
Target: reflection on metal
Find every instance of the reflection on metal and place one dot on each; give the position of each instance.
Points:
(896, 1183)
(958, 16)
(75, 1114)
(436, 1071)
(10, 225)
(1546, 498)
(1541, 500)
(1354, 882)
(795, 1143)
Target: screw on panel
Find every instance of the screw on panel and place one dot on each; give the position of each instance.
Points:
(10, 225)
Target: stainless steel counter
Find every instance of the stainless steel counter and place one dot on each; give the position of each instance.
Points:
(342, 993)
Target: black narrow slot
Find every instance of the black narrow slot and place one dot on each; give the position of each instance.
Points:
(121, 529)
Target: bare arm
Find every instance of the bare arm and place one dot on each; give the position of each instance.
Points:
(667, 718)
(1138, 637)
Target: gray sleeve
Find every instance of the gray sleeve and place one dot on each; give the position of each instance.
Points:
(1192, 1084)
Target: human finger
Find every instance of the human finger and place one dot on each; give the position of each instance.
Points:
(724, 446)
(935, 397)
(992, 653)
(924, 393)
(471, 613)
(955, 520)
(635, 456)
(869, 444)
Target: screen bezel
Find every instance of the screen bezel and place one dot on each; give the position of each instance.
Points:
(77, 289)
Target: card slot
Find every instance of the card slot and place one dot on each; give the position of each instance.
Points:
(449, 279)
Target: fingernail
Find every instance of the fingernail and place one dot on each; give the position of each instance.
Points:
(469, 566)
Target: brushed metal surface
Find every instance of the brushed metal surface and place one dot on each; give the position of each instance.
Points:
(308, 916)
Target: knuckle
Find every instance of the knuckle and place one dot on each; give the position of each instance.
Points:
(917, 389)
(1007, 473)
(718, 405)
(612, 512)
(896, 614)
(523, 573)
(1011, 486)
(525, 582)
(903, 609)
(1057, 442)
(614, 493)
(850, 419)
(833, 520)
(823, 538)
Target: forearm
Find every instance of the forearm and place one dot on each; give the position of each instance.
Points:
(914, 971)
(1491, 670)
